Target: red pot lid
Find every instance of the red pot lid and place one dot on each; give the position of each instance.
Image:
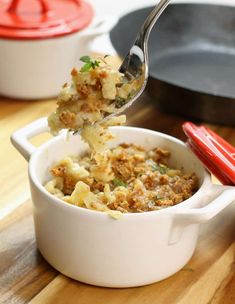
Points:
(38, 19)
(217, 155)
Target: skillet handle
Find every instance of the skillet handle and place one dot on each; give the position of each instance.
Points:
(223, 197)
(20, 139)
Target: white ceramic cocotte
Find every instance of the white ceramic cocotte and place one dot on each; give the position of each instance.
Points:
(94, 248)
(38, 52)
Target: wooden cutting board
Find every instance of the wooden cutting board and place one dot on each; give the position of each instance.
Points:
(25, 277)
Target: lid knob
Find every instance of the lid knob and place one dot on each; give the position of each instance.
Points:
(13, 8)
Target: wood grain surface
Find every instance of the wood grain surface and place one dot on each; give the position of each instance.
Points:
(25, 277)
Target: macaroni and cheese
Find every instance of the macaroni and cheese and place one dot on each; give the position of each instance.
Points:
(127, 178)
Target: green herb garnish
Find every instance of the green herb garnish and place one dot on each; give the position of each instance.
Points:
(119, 102)
(159, 167)
(159, 198)
(75, 132)
(129, 95)
(89, 63)
(118, 183)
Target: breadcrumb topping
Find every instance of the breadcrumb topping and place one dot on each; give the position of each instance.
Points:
(127, 178)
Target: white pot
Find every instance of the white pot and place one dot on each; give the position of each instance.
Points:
(36, 69)
(139, 249)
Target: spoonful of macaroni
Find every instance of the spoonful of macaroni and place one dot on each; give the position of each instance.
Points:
(98, 93)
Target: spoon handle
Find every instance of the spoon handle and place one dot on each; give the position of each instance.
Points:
(147, 26)
(135, 64)
(138, 54)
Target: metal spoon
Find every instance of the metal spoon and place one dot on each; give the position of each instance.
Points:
(135, 64)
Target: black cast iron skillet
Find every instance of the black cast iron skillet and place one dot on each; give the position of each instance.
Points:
(191, 56)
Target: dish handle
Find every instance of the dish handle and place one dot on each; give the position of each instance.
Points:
(222, 197)
(20, 138)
